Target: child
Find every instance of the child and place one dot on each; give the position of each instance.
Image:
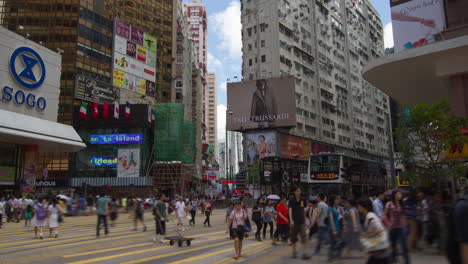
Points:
(28, 215)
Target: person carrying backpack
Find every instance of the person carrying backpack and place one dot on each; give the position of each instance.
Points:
(40, 217)
(457, 244)
(139, 211)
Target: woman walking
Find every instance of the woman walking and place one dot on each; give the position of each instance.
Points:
(395, 215)
(335, 229)
(312, 218)
(352, 227)
(257, 211)
(28, 215)
(237, 221)
(54, 213)
(269, 216)
(40, 217)
(208, 209)
(373, 228)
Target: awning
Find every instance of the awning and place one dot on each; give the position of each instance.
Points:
(47, 135)
(419, 75)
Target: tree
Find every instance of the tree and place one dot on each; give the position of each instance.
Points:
(424, 134)
(253, 176)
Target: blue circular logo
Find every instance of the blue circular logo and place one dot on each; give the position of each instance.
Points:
(25, 71)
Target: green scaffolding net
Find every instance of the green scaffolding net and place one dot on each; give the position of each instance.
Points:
(174, 138)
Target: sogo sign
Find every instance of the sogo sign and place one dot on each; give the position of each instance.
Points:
(24, 73)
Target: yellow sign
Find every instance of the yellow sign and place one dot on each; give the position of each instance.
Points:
(457, 152)
(141, 85)
(119, 78)
(325, 176)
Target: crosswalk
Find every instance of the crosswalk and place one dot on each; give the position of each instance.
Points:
(77, 244)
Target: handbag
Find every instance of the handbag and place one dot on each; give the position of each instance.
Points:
(377, 242)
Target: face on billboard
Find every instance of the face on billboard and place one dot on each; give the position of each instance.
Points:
(264, 103)
(260, 145)
(416, 22)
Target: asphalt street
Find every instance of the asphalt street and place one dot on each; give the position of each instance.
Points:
(77, 244)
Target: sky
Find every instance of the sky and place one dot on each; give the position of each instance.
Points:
(225, 44)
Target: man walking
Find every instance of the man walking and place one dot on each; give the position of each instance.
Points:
(139, 212)
(378, 205)
(102, 213)
(160, 216)
(297, 222)
(180, 213)
(322, 214)
(282, 222)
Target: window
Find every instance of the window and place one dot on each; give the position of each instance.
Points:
(262, 43)
(249, 32)
(250, 47)
(250, 62)
(263, 58)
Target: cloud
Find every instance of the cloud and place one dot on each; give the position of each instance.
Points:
(223, 86)
(214, 63)
(227, 27)
(221, 119)
(388, 35)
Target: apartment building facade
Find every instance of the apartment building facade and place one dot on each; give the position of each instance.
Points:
(211, 110)
(324, 44)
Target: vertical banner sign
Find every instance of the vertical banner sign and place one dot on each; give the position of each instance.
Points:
(31, 156)
(416, 22)
(128, 164)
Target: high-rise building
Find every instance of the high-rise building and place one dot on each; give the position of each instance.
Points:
(324, 44)
(83, 32)
(211, 110)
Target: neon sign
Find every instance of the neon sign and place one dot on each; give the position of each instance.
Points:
(116, 139)
(103, 161)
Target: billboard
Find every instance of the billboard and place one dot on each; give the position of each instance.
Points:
(134, 59)
(260, 145)
(292, 147)
(93, 90)
(128, 164)
(416, 22)
(263, 103)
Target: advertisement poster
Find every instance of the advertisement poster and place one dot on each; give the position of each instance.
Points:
(7, 175)
(260, 145)
(31, 156)
(151, 59)
(294, 147)
(121, 63)
(131, 49)
(128, 164)
(150, 42)
(120, 44)
(263, 103)
(129, 82)
(136, 35)
(119, 77)
(122, 28)
(141, 54)
(319, 147)
(140, 85)
(416, 22)
(150, 88)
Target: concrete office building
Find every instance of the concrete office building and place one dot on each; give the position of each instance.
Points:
(210, 95)
(324, 44)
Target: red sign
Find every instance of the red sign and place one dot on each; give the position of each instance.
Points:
(294, 147)
(226, 182)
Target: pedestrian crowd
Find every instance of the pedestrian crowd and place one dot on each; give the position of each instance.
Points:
(385, 227)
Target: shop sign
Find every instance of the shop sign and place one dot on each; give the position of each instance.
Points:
(103, 161)
(93, 90)
(116, 139)
(52, 183)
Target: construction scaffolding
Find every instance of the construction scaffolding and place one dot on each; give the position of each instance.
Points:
(173, 168)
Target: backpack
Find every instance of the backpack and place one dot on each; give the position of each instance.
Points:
(41, 213)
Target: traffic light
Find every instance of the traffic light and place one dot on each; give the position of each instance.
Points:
(346, 173)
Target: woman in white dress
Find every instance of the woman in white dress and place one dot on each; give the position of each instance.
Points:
(40, 218)
(54, 214)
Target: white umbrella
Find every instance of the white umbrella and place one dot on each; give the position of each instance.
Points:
(273, 197)
(64, 197)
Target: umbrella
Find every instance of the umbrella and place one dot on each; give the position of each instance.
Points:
(273, 197)
(64, 197)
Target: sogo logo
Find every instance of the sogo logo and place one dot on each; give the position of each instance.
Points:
(25, 64)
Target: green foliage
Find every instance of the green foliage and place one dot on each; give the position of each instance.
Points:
(423, 136)
(253, 176)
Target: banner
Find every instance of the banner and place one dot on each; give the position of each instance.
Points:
(416, 22)
(93, 90)
(128, 164)
(292, 147)
(260, 145)
(7, 175)
(31, 156)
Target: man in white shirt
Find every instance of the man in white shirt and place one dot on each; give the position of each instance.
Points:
(378, 205)
(180, 213)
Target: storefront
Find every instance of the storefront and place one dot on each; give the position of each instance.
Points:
(30, 89)
(118, 153)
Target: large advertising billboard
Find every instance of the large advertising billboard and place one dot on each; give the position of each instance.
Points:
(292, 147)
(90, 89)
(416, 22)
(263, 103)
(134, 66)
(260, 145)
(128, 163)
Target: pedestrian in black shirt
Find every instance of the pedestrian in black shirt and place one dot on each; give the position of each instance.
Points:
(297, 222)
(257, 217)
